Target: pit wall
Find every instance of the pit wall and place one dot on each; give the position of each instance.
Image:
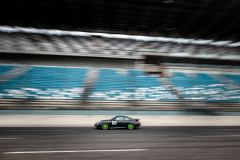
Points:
(90, 120)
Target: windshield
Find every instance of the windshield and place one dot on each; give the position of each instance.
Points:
(113, 118)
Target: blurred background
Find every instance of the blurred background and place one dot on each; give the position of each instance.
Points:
(177, 58)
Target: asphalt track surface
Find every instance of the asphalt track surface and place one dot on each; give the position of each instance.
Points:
(178, 143)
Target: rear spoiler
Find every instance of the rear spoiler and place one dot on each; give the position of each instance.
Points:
(137, 119)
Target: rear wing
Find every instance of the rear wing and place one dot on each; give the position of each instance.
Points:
(137, 119)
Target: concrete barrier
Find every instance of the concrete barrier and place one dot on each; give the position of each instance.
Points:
(90, 120)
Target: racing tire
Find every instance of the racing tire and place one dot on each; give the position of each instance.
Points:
(130, 126)
(104, 126)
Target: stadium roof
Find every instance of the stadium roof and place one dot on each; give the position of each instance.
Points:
(121, 36)
(191, 19)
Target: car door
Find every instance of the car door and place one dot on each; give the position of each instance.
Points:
(120, 121)
(127, 121)
(113, 122)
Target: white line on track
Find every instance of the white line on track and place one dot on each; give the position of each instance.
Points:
(76, 151)
(221, 129)
(220, 136)
(10, 138)
(39, 130)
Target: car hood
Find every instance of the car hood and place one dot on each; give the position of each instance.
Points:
(106, 120)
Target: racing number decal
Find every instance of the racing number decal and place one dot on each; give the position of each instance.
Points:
(114, 122)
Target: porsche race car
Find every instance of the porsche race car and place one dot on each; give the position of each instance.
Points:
(118, 122)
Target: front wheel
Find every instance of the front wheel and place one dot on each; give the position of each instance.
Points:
(105, 126)
(130, 126)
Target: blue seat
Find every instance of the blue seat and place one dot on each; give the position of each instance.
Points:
(47, 83)
(204, 88)
(135, 85)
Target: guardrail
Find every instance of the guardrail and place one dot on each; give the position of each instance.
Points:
(115, 105)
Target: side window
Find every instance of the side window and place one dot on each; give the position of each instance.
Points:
(113, 119)
(127, 119)
(119, 119)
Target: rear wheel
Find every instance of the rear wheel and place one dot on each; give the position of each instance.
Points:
(130, 126)
(105, 126)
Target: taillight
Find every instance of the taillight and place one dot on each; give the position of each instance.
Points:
(137, 122)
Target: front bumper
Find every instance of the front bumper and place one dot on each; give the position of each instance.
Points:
(97, 125)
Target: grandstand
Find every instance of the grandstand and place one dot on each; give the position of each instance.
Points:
(180, 86)
(141, 72)
(157, 61)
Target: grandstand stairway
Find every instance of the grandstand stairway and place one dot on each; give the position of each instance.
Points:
(223, 79)
(184, 103)
(169, 85)
(90, 80)
(12, 73)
